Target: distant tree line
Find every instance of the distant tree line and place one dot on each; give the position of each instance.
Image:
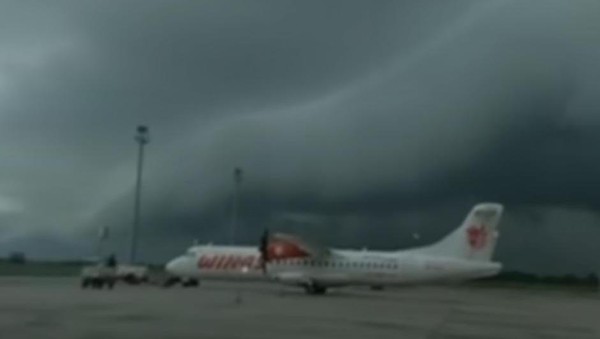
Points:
(590, 280)
(17, 258)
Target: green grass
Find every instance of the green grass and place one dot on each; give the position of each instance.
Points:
(534, 286)
(42, 269)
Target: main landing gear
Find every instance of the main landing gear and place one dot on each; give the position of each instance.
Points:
(189, 282)
(314, 289)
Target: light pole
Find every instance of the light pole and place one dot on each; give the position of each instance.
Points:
(237, 181)
(142, 138)
(103, 234)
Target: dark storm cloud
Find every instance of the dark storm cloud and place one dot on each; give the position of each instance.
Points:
(356, 123)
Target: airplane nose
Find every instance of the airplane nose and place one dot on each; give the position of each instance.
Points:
(174, 266)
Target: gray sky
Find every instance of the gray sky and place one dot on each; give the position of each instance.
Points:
(357, 123)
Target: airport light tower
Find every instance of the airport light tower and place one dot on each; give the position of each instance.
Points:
(237, 182)
(103, 233)
(142, 138)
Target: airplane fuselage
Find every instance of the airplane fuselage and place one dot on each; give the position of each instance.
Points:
(342, 267)
(465, 253)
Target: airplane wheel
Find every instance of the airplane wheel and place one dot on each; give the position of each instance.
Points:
(190, 283)
(315, 289)
(319, 290)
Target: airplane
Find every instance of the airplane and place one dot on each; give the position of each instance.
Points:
(466, 253)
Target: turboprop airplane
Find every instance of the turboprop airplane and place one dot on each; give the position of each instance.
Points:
(464, 254)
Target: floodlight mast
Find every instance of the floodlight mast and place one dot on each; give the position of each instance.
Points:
(237, 181)
(142, 138)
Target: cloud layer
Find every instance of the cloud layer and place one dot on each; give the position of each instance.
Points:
(356, 123)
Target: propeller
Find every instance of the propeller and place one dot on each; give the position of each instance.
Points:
(264, 250)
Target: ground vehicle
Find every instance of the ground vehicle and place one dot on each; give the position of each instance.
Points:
(131, 274)
(98, 276)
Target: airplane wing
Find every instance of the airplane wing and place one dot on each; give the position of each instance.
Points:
(287, 246)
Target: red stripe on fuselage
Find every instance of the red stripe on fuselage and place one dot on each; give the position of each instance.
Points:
(227, 261)
(206, 262)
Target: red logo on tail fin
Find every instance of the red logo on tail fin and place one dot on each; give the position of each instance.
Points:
(477, 236)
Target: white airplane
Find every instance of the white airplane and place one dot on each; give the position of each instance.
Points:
(463, 254)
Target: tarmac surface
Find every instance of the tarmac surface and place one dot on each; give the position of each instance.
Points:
(58, 308)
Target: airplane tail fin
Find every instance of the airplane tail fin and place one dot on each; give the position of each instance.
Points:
(475, 239)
